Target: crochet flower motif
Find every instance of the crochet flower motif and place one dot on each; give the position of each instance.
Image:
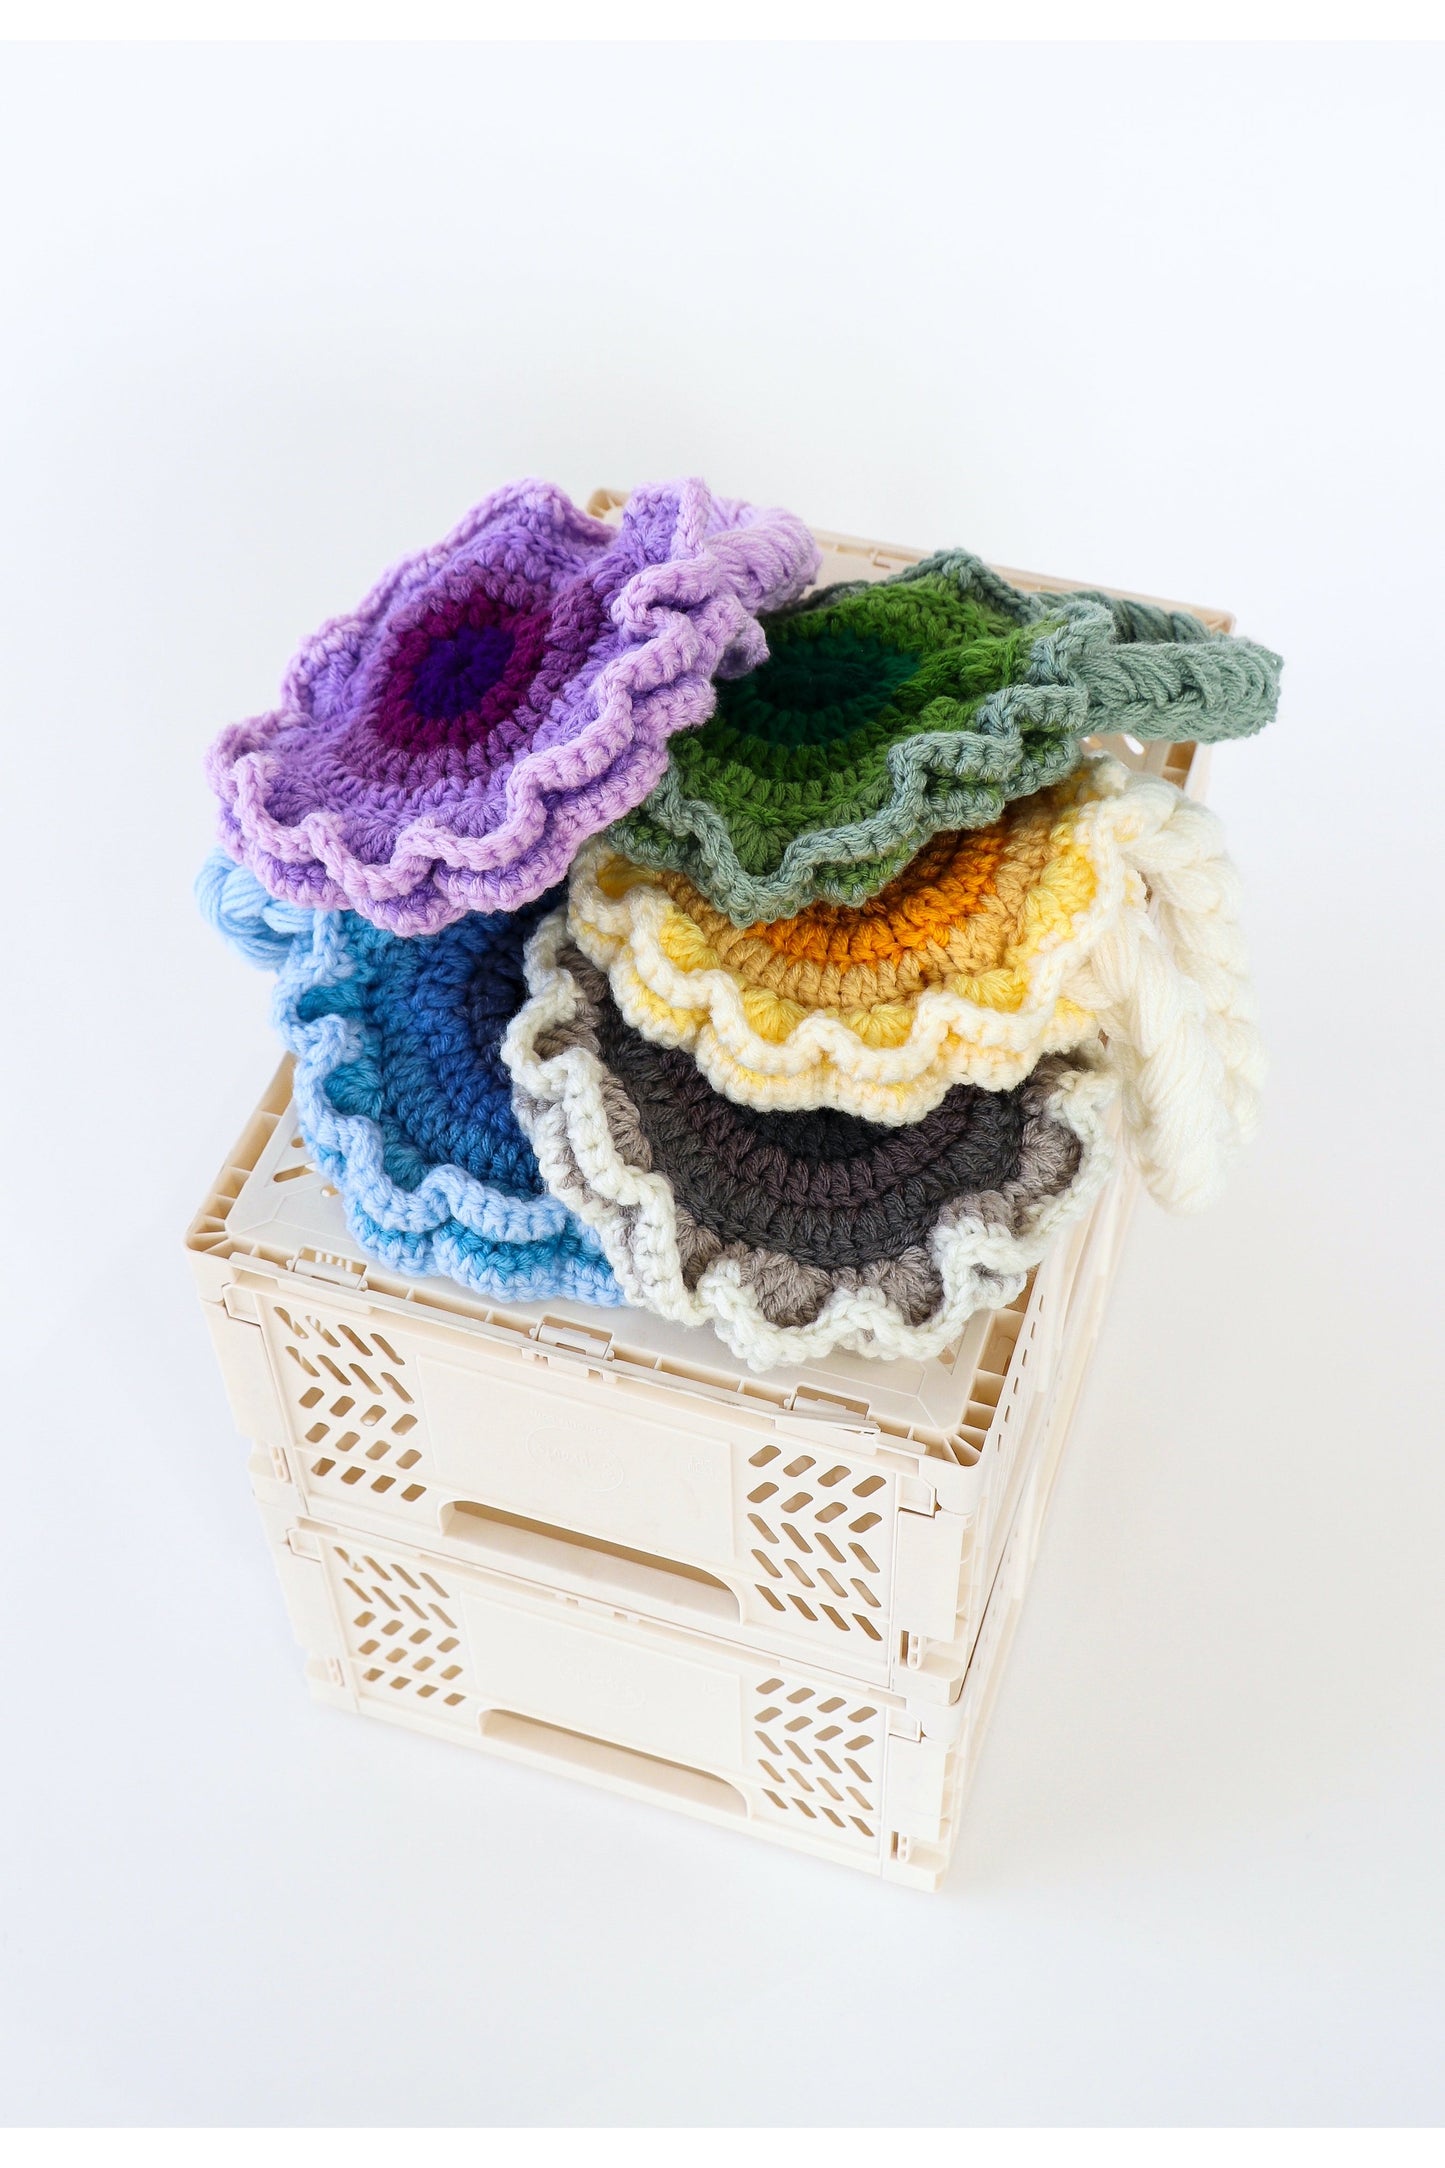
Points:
(994, 948)
(498, 699)
(888, 713)
(400, 1091)
(794, 1234)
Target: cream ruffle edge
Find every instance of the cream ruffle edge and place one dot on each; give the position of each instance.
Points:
(561, 1101)
(1168, 987)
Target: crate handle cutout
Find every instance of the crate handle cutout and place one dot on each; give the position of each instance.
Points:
(578, 1750)
(613, 1569)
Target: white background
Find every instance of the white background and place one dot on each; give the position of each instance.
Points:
(1167, 318)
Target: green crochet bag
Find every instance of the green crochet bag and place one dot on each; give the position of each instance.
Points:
(888, 711)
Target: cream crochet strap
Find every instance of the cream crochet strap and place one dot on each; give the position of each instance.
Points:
(1131, 929)
(978, 1253)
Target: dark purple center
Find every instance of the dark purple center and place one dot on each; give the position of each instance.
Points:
(473, 664)
(458, 669)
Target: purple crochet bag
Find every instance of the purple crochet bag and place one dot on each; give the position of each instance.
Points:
(498, 699)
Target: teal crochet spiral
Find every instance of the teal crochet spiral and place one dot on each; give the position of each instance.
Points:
(889, 712)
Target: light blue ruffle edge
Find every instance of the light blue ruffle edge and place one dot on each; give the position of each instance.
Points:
(452, 1224)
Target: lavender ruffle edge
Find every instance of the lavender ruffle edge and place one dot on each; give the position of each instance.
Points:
(678, 621)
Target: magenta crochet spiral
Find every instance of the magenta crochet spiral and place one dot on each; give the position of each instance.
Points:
(500, 698)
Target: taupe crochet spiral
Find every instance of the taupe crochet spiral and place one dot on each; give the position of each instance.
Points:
(825, 1189)
(794, 1233)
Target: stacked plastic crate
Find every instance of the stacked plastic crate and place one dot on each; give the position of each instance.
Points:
(595, 1542)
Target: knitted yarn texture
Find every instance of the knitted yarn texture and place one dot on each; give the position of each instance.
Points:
(401, 1095)
(254, 924)
(793, 1235)
(993, 949)
(822, 1188)
(498, 699)
(888, 712)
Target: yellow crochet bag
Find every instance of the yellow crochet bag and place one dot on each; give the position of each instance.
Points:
(991, 949)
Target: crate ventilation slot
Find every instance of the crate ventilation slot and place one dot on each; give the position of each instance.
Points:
(352, 1409)
(403, 1633)
(616, 1573)
(817, 1752)
(818, 1541)
(578, 1750)
(293, 1165)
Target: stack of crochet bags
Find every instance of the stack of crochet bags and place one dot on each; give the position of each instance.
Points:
(650, 929)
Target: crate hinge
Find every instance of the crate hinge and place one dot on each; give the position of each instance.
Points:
(916, 1496)
(574, 1339)
(303, 1543)
(240, 1303)
(336, 1271)
(831, 1412)
(561, 1341)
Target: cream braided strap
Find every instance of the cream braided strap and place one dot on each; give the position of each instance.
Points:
(1170, 988)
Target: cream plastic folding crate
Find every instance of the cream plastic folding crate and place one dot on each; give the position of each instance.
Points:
(636, 1537)
(845, 1513)
(581, 1667)
(788, 1751)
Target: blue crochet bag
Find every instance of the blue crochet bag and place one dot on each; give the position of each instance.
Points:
(401, 1093)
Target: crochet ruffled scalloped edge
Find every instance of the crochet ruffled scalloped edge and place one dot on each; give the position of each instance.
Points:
(823, 1060)
(559, 1101)
(1156, 962)
(527, 1249)
(1168, 676)
(689, 615)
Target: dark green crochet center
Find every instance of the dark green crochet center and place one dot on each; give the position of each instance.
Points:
(813, 740)
(823, 682)
(848, 675)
